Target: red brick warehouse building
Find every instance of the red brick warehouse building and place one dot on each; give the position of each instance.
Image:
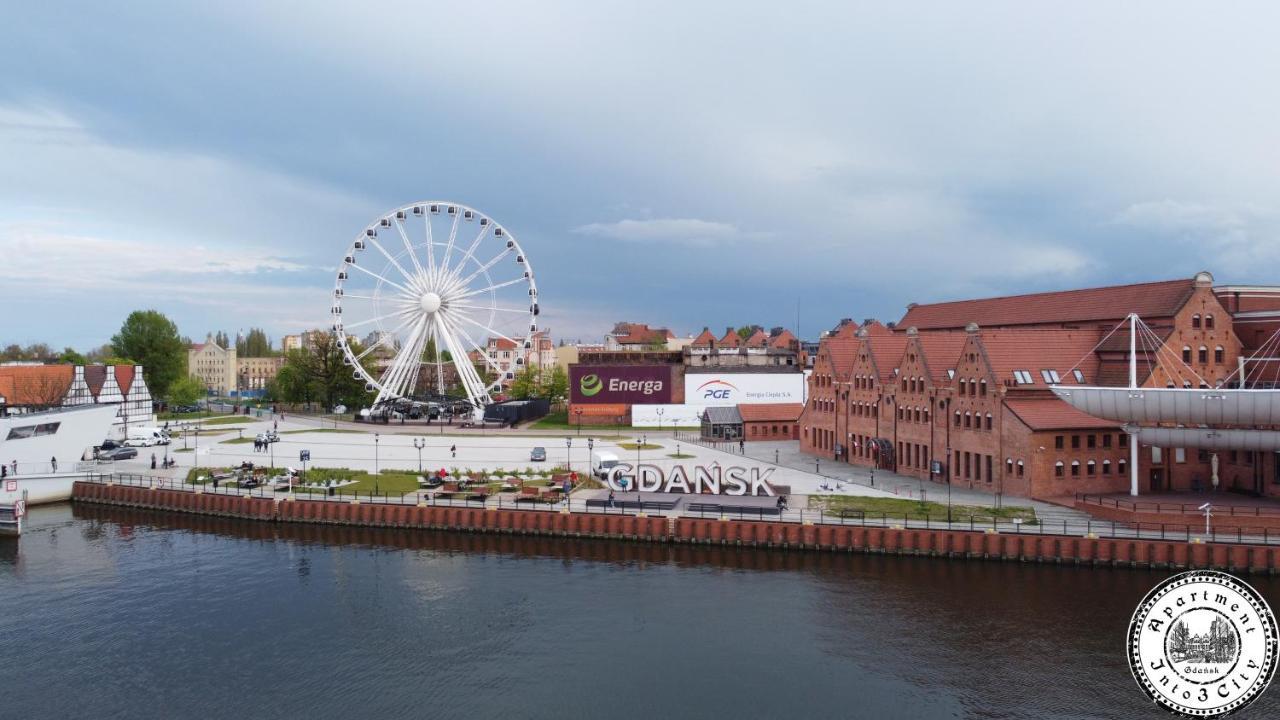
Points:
(959, 391)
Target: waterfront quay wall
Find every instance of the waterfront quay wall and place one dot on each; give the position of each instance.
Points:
(960, 544)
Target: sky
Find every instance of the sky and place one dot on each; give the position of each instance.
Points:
(681, 164)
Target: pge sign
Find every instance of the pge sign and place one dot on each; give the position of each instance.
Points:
(734, 388)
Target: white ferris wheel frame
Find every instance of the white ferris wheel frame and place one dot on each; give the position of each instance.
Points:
(437, 300)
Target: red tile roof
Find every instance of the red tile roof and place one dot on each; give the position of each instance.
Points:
(1150, 300)
(1054, 414)
(641, 334)
(771, 412)
(886, 351)
(501, 344)
(940, 351)
(1034, 350)
(35, 384)
(782, 341)
(758, 339)
(704, 339)
(842, 351)
(731, 339)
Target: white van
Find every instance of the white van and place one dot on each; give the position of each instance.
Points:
(146, 437)
(601, 462)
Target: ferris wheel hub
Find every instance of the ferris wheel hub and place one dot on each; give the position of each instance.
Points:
(430, 302)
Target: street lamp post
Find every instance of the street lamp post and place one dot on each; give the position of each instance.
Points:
(591, 446)
(660, 411)
(375, 457)
(568, 454)
(578, 412)
(419, 443)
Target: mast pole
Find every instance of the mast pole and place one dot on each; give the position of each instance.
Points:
(1133, 385)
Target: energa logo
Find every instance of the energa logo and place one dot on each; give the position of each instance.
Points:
(590, 385)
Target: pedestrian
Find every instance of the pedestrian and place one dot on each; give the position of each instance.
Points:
(742, 446)
(610, 498)
(53, 463)
(453, 451)
(153, 461)
(275, 424)
(13, 467)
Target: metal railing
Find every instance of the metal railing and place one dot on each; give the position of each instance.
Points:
(1185, 532)
(1179, 508)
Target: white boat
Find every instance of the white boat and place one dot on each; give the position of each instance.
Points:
(30, 442)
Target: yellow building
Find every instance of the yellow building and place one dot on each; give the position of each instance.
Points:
(214, 365)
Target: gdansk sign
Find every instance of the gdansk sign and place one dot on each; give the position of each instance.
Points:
(713, 480)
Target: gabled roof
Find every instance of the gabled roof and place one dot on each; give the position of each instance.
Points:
(731, 339)
(1149, 300)
(501, 344)
(939, 352)
(758, 339)
(771, 412)
(719, 415)
(704, 339)
(842, 350)
(1054, 414)
(641, 334)
(783, 340)
(886, 352)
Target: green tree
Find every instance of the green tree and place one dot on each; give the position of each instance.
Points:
(747, 331)
(150, 339)
(69, 356)
(255, 344)
(527, 384)
(319, 373)
(221, 340)
(555, 384)
(186, 391)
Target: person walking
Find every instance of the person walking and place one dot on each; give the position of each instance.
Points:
(453, 451)
(153, 461)
(53, 463)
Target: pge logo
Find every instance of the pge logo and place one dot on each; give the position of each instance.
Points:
(716, 390)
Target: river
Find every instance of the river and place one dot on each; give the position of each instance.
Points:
(108, 612)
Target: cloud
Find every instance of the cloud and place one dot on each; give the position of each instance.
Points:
(685, 230)
(1233, 238)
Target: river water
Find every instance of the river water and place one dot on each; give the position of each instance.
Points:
(108, 613)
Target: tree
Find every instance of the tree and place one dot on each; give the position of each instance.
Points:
(747, 331)
(221, 340)
(255, 344)
(42, 391)
(526, 384)
(186, 391)
(70, 357)
(318, 372)
(151, 340)
(556, 387)
(1178, 637)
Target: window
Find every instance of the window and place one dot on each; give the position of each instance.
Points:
(1106, 467)
(968, 419)
(982, 388)
(1090, 468)
(1075, 468)
(1179, 455)
(988, 421)
(1120, 466)
(1050, 376)
(951, 374)
(1218, 352)
(957, 418)
(1057, 469)
(964, 385)
(1204, 354)
(1075, 442)
(26, 431)
(1078, 375)
(1058, 443)
(1091, 442)
(1020, 468)
(1186, 354)
(1106, 440)
(1208, 321)
(1023, 377)
(1008, 466)
(1124, 439)
(1195, 320)
(1156, 456)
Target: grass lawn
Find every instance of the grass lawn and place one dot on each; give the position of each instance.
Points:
(680, 456)
(182, 450)
(392, 483)
(187, 416)
(639, 446)
(853, 506)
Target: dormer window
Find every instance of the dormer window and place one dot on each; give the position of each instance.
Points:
(1023, 377)
(1050, 376)
(1079, 376)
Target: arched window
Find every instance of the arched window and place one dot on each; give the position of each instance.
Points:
(1186, 354)
(1208, 321)
(964, 385)
(957, 418)
(1090, 468)
(1075, 468)
(1120, 466)
(968, 419)
(982, 388)
(988, 421)
(1106, 467)
(1008, 466)
(1204, 355)
(1020, 468)
(1218, 354)
(1195, 320)
(1057, 469)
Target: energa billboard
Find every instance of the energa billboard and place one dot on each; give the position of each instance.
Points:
(595, 384)
(743, 388)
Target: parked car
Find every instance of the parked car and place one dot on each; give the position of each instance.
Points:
(538, 454)
(339, 409)
(108, 445)
(120, 453)
(269, 436)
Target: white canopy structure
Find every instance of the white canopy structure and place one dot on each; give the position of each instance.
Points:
(1183, 406)
(1211, 438)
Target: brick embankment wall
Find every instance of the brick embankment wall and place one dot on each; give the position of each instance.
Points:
(1222, 521)
(1058, 549)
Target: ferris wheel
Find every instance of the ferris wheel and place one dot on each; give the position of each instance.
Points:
(424, 294)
